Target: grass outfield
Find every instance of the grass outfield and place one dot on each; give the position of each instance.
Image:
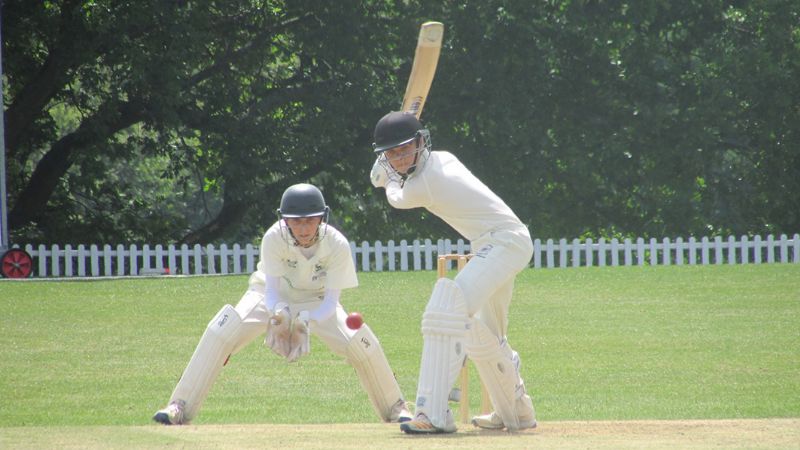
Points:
(597, 344)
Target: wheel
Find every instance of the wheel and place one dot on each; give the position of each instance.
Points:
(16, 263)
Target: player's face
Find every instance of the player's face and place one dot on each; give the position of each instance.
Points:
(304, 229)
(403, 157)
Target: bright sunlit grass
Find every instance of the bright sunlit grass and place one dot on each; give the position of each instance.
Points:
(596, 343)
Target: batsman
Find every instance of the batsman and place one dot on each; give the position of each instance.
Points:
(466, 316)
(305, 263)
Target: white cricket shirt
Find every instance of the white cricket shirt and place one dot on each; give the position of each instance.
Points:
(304, 279)
(445, 187)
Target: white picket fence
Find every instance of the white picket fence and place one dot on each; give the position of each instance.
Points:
(106, 261)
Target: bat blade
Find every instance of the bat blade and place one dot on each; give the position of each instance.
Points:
(429, 44)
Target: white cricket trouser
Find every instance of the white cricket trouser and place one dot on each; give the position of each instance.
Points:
(488, 280)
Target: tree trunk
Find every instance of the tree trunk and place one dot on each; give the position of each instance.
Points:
(31, 202)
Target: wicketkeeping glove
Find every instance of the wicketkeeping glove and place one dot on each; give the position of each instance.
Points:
(300, 338)
(279, 330)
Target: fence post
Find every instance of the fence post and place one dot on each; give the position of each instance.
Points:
(198, 259)
(640, 251)
(212, 265)
(120, 260)
(237, 258)
(133, 257)
(440, 250)
(68, 271)
(461, 247)
(784, 248)
(185, 259)
(55, 265)
(704, 250)
(93, 260)
(159, 257)
(403, 255)
(365, 256)
(666, 256)
(745, 249)
(731, 250)
(223, 259)
(108, 258)
(378, 249)
(146, 255)
(537, 253)
(614, 252)
(653, 252)
(603, 249)
(171, 258)
(718, 250)
(42, 261)
(391, 254)
(81, 260)
(757, 249)
(576, 252)
(428, 254)
(254, 253)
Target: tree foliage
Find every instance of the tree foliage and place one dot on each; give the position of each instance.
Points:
(185, 121)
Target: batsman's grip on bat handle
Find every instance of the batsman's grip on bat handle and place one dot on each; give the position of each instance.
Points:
(463, 402)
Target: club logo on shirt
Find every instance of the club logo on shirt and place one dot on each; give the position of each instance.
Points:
(319, 272)
(292, 263)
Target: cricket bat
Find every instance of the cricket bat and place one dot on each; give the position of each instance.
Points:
(426, 56)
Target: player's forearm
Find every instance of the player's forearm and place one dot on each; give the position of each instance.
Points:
(271, 297)
(328, 306)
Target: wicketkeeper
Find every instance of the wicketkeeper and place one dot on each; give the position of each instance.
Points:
(467, 316)
(305, 264)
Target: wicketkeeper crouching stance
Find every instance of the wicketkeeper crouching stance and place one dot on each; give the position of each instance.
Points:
(305, 264)
(467, 316)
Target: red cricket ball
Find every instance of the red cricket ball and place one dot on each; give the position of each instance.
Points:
(354, 321)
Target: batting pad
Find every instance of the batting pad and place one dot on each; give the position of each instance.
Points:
(498, 371)
(365, 354)
(444, 328)
(213, 349)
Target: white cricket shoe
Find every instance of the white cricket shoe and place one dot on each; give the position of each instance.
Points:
(492, 421)
(171, 415)
(525, 412)
(400, 412)
(422, 425)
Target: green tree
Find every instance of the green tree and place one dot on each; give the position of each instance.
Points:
(609, 118)
(184, 121)
(238, 99)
